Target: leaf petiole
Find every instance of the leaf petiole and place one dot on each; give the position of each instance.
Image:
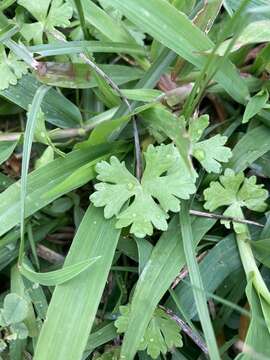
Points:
(250, 266)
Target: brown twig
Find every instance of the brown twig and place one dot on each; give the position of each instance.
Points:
(223, 217)
(184, 272)
(51, 256)
(187, 330)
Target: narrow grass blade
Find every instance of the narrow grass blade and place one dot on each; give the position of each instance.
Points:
(166, 260)
(58, 110)
(79, 76)
(97, 17)
(75, 47)
(21, 52)
(56, 277)
(6, 149)
(224, 258)
(9, 248)
(8, 32)
(101, 336)
(41, 181)
(80, 11)
(174, 30)
(257, 338)
(74, 304)
(80, 177)
(246, 151)
(27, 145)
(195, 278)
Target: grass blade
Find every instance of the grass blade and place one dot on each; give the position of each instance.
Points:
(58, 109)
(56, 277)
(95, 237)
(195, 278)
(176, 31)
(75, 47)
(97, 17)
(224, 258)
(27, 145)
(246, 151)
(41, 181)
(6, 149)
(166, 259)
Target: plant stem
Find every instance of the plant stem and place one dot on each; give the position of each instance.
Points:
(250, 266)
(186, 329)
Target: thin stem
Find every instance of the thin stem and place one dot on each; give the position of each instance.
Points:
(250, 266)
(114, 86)
(222, 217)
(79, 7)
(125, 100)
(184, 272)
(187, 330)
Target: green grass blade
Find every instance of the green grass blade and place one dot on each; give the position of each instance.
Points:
(110, 28)
(6, 149)
(56, 277)
(173, 29)
(224, 258)
(101, 336)
(8, 31)
(78, 178)
(21, 52)
(166, 259)
(246, 151)
(257, 337)
(57, 108)
(9, 247)
(80, 11)
(195, 278)
(41, 181)
(80, 76)
(27, 145)
(75, 47)
(75, 303)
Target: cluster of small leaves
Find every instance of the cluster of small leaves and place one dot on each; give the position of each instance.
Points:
(50, 14)
(11, 68)
(12, 315)
(209, 152)
(112, 354)
(255, 105)
(161, 334)
(165, 180)
(235, 191)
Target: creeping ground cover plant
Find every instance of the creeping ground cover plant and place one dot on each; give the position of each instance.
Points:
(134, 179)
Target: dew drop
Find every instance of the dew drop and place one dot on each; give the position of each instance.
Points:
(130, 186)
(199, 154)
